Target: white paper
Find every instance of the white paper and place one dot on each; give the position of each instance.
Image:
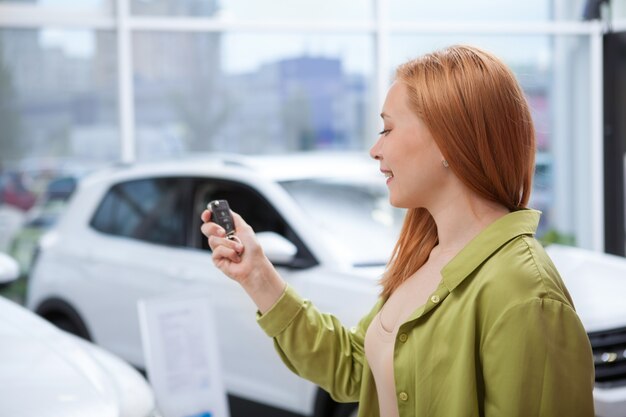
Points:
(182, 357)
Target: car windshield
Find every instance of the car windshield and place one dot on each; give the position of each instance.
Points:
(356, 216)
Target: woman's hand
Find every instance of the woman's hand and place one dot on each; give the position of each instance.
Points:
(243, 260)
(228, 255)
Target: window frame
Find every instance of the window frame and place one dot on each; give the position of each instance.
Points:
(115, 15)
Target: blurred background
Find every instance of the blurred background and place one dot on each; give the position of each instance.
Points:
(92, 82)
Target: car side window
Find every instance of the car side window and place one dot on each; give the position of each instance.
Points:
(255, 210)
(149, 209)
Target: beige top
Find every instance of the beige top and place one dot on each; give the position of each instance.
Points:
(383, 331)
(379, 346)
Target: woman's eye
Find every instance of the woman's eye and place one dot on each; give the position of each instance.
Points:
(384, 132)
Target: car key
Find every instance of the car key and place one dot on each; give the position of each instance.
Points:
(221, 215)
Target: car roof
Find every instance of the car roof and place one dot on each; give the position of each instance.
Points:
(282, 167)
(312, 164)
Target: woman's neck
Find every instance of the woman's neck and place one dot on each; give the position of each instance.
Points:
(462, 221)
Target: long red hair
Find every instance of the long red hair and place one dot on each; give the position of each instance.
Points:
(478, 115)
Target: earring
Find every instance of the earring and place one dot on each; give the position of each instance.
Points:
(445, 163)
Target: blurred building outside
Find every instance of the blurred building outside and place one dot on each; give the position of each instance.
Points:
(61, 95)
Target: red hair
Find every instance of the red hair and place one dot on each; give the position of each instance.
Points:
(478, 115)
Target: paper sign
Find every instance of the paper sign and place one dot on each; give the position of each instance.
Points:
(181, 355)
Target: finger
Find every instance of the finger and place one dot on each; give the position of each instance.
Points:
(212, 229)
(215, 242)
(240, 223)
(206, 215)
(239, 247)
(223, 252)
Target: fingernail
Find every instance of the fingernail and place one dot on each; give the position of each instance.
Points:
(221, 232)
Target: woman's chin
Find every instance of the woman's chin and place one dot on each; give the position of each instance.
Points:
(396, 202)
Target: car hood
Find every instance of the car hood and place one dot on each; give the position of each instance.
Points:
(47, 372)
(597, 284)
(374, 271)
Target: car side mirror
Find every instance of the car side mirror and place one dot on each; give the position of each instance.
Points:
(9, 269)
(277, 248)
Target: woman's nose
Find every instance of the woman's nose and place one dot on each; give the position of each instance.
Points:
(375, 151)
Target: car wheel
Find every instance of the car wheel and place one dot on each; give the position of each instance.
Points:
(65, 324)
(63, 316)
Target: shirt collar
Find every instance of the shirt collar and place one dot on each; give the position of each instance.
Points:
(492, 238)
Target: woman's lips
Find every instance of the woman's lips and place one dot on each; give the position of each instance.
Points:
(388, 174)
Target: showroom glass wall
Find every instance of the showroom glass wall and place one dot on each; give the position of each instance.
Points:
(96, 81)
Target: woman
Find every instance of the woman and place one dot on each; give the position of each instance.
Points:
(473, 318)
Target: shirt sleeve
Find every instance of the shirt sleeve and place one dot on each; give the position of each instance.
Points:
(537, 361)
(316, 346)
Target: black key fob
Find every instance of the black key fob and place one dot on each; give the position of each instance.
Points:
(220, 214)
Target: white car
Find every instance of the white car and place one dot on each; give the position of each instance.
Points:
(597, 283)
(324, 220)
(46, 372)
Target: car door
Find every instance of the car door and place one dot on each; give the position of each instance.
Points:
(141, 227)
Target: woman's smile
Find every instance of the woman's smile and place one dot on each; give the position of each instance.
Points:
(388, 175)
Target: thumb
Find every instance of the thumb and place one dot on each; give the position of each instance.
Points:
(241, 227)
(239, 221)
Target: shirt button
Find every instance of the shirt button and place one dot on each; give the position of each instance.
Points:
(403, 396)
(434, 299)
(403, 337)
(353, 329)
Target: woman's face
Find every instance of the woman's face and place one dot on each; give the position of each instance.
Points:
(408, 155)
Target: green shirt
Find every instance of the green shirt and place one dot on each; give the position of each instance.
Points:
(498, 337)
